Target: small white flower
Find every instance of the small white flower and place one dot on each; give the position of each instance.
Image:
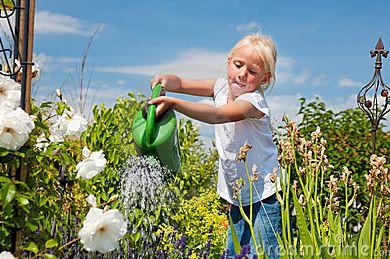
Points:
(59, 93)
(93, 164)
(91, 199)
(42, 142)
(102, 229)
(10, 92)
(15, 127)
(357, 227)
(6, 255)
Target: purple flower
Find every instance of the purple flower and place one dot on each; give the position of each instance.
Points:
(189, 252)
(224, 254)
(182, 242)
(246, 249)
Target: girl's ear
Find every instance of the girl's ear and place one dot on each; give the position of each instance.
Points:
(266, 78)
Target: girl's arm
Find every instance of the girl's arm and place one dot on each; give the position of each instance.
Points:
(176, 84)
(233, 111)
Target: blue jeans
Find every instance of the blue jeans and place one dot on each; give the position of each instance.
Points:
(266, 220)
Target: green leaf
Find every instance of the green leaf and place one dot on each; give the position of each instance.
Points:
(379, 240)
(365, 234)
(31, 226)
(8, 193)
(236, 243)
(51, 243)
(4, 152)
(302, 226)
(50, 256)
(23, 201)
(5, 179)
(32, 247)
(323, 248)
(41, 125)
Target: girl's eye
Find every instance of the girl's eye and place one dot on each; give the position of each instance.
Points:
(253, 72)
(237, 64)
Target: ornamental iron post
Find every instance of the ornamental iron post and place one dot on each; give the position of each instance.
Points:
(373, 98)
(20, 48)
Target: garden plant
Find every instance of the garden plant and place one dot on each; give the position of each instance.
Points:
(75, 202)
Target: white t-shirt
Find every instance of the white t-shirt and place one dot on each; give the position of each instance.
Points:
(231, 136)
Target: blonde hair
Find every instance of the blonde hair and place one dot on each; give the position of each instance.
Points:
(265, 48)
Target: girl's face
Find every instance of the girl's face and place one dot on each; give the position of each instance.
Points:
(246, 71)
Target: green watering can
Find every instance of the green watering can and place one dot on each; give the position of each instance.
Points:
(158, 138)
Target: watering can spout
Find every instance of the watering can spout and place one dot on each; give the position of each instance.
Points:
(157, 137)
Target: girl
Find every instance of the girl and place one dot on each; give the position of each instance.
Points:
(241, 115)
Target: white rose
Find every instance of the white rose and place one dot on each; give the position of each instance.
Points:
(6, 255)
(10, 92)
(93, 164)
(69, 124)
(76, 125)
(91, 199)
(102, 229)
(15, 127)
(59, 127)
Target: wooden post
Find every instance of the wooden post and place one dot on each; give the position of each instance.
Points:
(26, 40)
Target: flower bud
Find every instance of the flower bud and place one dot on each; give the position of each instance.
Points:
(59, 93)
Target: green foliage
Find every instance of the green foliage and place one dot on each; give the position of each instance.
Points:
(349, 143)
(45, 203)
(198, 169)
(347, 132)
(201, 220)
(111, 132)
(321, 223)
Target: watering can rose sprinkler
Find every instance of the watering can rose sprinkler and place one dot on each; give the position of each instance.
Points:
(157, 137)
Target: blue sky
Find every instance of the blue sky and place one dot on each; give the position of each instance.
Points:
(323, 47)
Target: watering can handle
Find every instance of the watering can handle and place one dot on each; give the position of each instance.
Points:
(151, 114)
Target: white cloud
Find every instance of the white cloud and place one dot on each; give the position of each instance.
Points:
(347, 82)
(50, 63)
(48, 22)
(342, 103)
(285, 62)
(301, 78)
(43, 58)
(193, 63)
(281, 105)
(248, 27)
(318, 80)
(120, 82)
(286, 72)
(289, 76)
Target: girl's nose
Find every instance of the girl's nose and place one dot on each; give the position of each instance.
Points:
(242, 74)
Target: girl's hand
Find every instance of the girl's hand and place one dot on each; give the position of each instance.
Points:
(171, 83)
(163, 103)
